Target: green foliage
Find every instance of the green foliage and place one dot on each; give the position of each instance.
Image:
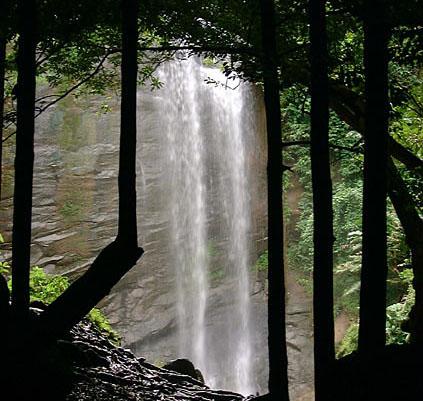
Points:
(70, 210)
(97, 317)
(4, 266)
(262, 263)
(398, 312)
(46, 288)
(349, 342)
(346, 169)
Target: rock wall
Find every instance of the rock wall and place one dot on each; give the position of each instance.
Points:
(75, 215)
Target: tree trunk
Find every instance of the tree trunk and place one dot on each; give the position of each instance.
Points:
(127, 230)
(278, 360)
(24, 160)
(122, 254)
(324, 349)
(85, 293)
(374, 260)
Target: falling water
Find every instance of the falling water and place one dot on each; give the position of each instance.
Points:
(187, 194)
(205, 131)
(230, 127)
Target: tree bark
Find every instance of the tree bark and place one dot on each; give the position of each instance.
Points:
(324, 348)
(127, 230)
(278, 360)
(374, 260)
(122, 254)
(24, 160)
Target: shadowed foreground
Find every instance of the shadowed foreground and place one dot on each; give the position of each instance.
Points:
(104, 372)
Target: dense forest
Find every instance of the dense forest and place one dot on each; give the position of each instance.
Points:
(342, 83)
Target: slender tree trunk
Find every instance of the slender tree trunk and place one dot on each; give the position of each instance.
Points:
(374, 261)
(24, 159)
(278, 360)
(127, 231)
(324, 349)
(122, 254)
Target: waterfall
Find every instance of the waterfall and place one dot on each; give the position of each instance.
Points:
(201, 188)
(205, 130)
(187, 193)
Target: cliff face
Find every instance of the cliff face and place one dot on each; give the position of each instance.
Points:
(75, 215)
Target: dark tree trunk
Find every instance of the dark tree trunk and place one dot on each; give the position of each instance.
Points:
(127, 231)
(324, 349)
(278, 361)
(374, 261)
(122, 254)
(24, 160)
(68, 309)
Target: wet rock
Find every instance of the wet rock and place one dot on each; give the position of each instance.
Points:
(184, 367)
(102, 371)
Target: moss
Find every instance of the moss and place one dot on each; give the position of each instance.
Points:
(212, 249)
(102, 324)
(349, 342)
(262, 263)
(70, 210)
(217, 274)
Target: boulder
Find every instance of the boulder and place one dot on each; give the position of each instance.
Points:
(184, 367)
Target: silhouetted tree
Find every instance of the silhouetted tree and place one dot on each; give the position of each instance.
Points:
(24, 160)
(278, 360)
(374, 260)
(122, 254)
(127, 230)
(324, 350)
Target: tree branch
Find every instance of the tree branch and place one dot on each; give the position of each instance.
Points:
(352, 149)
(113, 262)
